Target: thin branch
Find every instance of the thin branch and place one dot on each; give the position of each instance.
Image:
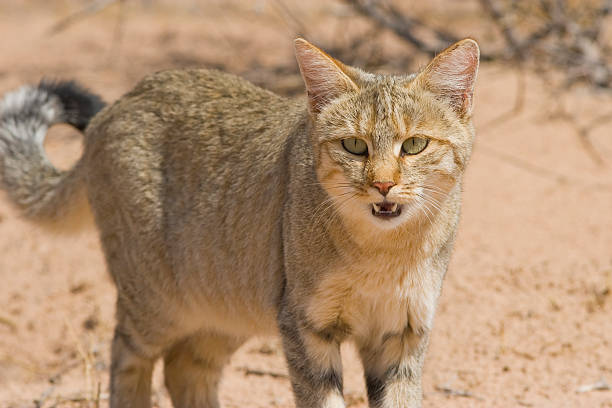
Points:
(541, 171)
(583, 131)
(523, 164)
(497, 15)
(402, 25)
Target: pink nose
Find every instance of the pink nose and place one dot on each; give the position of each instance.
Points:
(383, 186)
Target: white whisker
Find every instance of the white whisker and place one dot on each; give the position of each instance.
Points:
(339, 207)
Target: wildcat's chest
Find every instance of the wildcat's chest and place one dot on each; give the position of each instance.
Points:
(370, 296)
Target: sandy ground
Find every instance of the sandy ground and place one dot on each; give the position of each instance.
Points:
(525, 317)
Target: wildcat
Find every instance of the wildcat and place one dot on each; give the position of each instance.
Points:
(226, 211)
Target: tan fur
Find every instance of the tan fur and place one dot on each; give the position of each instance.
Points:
(227, 211)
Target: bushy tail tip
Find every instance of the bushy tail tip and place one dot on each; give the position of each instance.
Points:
(30, 180)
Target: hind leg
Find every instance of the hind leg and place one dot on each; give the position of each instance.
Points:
(141, 332)
(131, 371)
(193, 366)
(137, 344)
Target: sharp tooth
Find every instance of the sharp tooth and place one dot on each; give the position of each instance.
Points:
(376, 207)
(394, 208)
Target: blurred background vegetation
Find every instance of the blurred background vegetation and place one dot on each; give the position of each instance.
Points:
(569, 37)
(565, 43)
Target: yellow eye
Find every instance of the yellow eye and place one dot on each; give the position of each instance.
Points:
(355, 146)
(414, 145)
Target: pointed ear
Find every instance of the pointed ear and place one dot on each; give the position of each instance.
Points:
(325, 77)
(452, 74)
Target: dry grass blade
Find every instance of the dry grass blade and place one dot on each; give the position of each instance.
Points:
(88, 363)
(254, 371)
(38, 403)
(97, 399)
(92, 8)
(600, 385)
(9, 323)
(290, 18)
(455, 393)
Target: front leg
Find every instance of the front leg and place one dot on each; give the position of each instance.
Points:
(313, 357)
(393, 366)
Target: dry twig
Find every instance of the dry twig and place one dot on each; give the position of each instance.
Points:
(385, 14)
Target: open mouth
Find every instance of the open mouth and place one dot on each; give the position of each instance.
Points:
(386, 209)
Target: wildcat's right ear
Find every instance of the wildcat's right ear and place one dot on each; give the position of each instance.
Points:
(325, 77)
(452, 75)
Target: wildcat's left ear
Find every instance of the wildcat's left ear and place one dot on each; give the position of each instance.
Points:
(452, 75)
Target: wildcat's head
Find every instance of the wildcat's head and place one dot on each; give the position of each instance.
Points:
(390, 148)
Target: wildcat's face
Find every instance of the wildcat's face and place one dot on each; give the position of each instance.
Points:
(390, 151)
(390, 148)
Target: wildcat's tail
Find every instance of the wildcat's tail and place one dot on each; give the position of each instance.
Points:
(40, 190)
